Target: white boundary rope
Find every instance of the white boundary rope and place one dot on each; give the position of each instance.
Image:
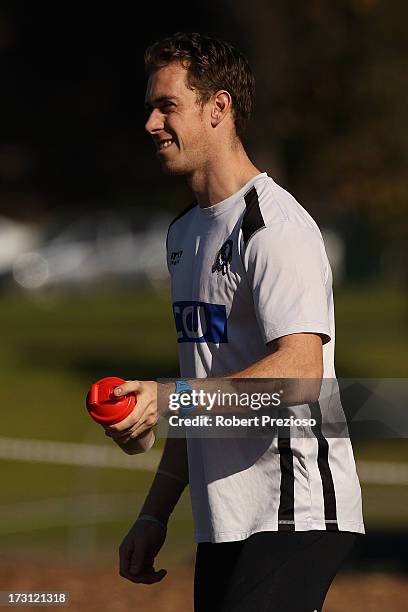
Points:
(104, 456)
(71, 453)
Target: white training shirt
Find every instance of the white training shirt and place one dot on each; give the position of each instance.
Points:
(244, 272)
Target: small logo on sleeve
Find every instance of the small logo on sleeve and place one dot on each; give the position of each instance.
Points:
(175, 257)
(200, 322)
(223, 258)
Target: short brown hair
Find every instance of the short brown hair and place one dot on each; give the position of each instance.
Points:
(211, 64)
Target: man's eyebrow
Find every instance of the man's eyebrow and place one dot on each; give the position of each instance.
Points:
(156, 101)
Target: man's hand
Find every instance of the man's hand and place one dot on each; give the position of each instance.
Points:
(138, 551)
(144, 415)
(141, 444)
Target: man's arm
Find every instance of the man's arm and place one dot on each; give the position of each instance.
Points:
(293, 356)
(297, 357)
(169, 482)
(293, 368)
(147, 535)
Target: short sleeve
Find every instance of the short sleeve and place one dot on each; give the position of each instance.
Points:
(287, 270)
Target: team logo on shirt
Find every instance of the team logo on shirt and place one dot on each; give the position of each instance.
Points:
(200, 322)
(223, 258)
(175, 257)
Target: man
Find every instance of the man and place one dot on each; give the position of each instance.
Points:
(252, 298)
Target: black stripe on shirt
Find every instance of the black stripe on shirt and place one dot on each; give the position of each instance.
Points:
(252, 220)
(183, 212)
(286, 511)
(329, 494)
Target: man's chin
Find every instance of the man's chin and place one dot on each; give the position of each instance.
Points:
(172, 169)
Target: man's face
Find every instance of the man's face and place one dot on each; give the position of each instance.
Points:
(179, 126)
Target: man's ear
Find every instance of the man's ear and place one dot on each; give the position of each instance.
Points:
(221, 106)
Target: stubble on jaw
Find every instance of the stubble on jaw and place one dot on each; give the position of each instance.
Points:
(197, 163)
(194, 161)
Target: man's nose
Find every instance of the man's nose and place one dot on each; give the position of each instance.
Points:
(155, 122)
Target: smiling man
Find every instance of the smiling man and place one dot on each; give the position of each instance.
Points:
(252, 298)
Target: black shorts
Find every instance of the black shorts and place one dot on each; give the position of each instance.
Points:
(271, 571)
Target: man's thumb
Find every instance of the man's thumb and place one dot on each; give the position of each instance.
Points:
(130, 386)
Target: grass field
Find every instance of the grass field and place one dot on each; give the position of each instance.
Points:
(54, 345)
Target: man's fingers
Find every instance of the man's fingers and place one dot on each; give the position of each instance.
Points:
(143, 415)
(148, 575)
(138, 418)
(130, 386)
(127, 434)
(138, 431)
(139, 573)
(126, 424)
(135, 419)
(120, 435)
(125, 556)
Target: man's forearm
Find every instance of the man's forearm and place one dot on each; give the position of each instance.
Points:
(169, 482)
(293, 368)
(290, 362)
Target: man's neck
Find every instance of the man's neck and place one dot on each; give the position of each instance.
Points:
(222, 177)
